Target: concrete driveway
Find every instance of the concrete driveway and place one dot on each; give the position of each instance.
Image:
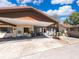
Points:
(39, 48)
(19, 48)
(67, 52)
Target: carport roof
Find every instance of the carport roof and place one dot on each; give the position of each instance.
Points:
(25, 22)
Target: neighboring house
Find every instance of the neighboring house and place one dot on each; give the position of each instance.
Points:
(74, 31)
(64, 28)
(25, 21)
(69, 30)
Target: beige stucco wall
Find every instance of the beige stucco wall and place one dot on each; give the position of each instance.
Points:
(21, 30)
(15, 32)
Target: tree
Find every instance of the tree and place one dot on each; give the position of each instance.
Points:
(73, 19)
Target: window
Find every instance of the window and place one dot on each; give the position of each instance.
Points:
(26, 30)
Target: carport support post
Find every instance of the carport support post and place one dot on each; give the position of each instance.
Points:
(57, 30)
(14, 32)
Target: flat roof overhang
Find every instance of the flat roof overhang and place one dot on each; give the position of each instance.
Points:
(26, 22)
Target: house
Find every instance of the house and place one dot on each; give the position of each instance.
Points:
(74, 31)
(25, 21)
(69, 30)
(64, 28)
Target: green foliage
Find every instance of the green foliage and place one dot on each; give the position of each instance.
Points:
(73, 19)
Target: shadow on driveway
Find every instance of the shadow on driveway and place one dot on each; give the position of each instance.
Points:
(20, 38)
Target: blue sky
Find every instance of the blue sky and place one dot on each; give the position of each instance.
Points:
(60, 8)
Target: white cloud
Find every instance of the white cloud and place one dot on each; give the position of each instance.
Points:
(62, 1)
(24, 1)
(6, 3)
(38, 1)
(62, 18)
(62, 11)
(51, 12)
(30, 1)
(77, 2)
(23, 5)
